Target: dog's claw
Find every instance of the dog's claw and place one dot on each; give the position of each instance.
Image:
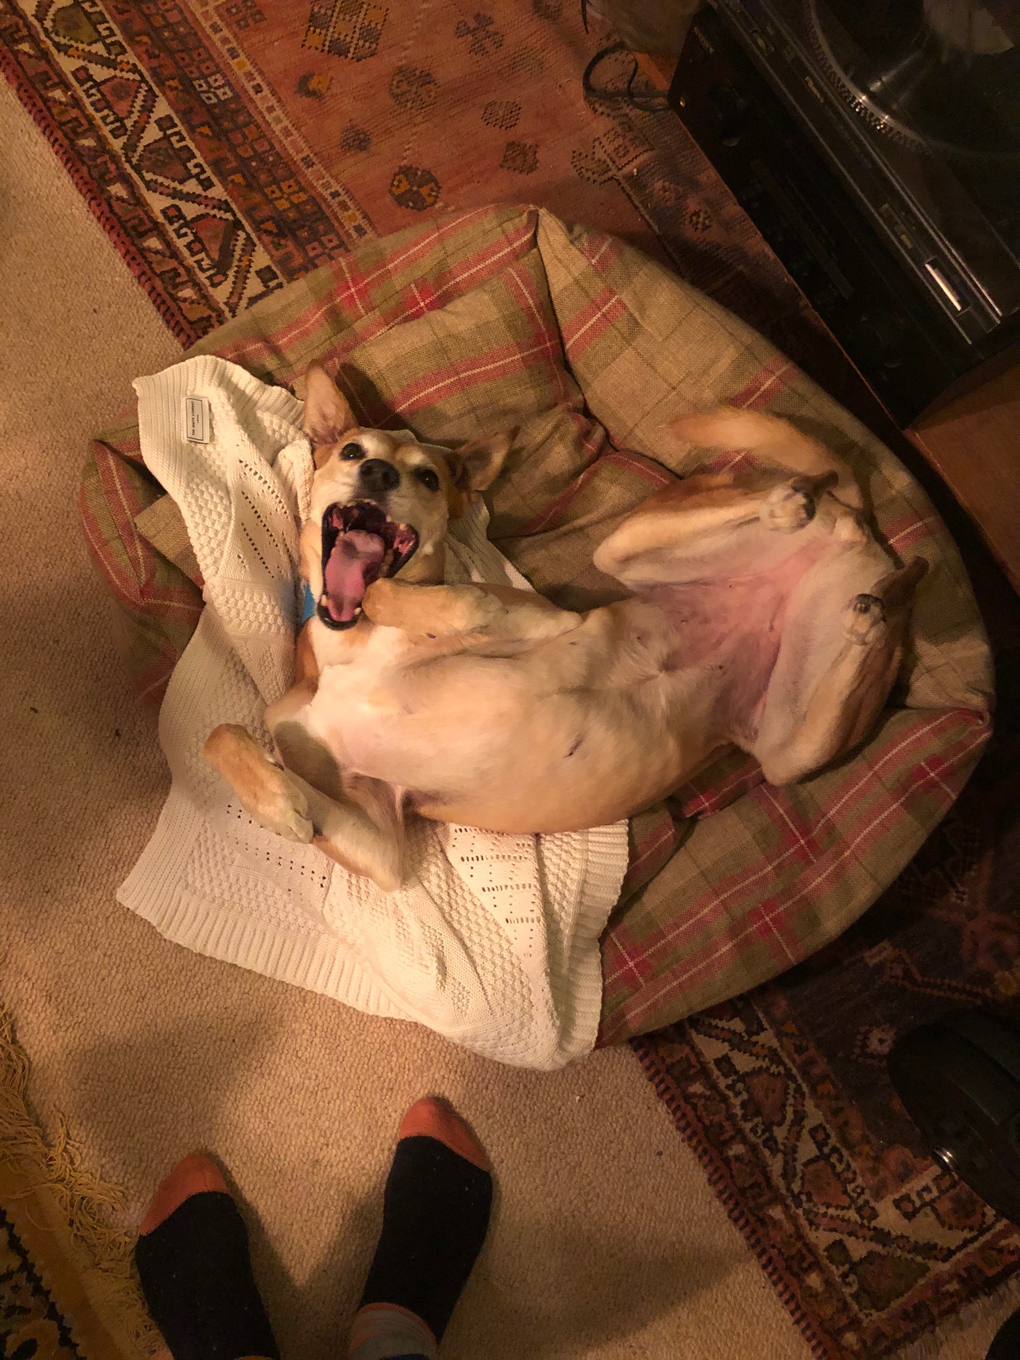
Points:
(865, 616)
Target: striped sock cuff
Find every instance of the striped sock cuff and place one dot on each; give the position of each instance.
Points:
(384, 1331)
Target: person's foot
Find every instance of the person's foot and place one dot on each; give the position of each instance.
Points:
(435, 1217)
(192, 1258)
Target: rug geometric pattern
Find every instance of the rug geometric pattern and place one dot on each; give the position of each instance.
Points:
(785, 1096)
(230, 146)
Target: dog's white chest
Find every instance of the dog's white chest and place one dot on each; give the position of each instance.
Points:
(357, 699)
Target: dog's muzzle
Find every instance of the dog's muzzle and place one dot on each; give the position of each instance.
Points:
(359, 545)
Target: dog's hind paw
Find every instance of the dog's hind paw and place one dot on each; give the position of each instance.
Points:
(788, 508)
(284, 810)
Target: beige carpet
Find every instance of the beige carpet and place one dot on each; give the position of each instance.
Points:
(607, 1240)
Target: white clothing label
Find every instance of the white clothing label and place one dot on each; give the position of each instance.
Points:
(196, 420)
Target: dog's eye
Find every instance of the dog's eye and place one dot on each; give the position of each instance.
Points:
(428, 478)
(352, 451)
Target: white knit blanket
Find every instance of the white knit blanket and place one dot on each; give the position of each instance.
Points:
(493, 942)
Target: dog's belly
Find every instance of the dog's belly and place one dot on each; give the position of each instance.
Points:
(509, 744)
(734, 632)
(733, 627)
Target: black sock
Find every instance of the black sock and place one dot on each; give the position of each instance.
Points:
(197, 1280)
(1006, 1344)
(435, 1217)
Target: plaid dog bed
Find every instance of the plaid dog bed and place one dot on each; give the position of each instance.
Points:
(507, 316)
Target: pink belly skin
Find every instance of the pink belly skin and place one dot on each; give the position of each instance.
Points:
(734, 627)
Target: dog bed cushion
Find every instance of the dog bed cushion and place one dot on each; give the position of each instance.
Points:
(509, 316)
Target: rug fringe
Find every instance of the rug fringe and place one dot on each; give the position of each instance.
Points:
(998, 1305)
(87, 1204)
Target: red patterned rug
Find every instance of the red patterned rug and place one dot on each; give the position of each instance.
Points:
(230, 146)
(784, 1095)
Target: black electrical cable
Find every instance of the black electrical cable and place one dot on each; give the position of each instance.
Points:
(644, 103)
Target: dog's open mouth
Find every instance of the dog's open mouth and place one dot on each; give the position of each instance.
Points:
(359, 545)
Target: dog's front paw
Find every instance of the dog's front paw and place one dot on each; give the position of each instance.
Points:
(865, 619)
(788, 508)
(435, 611)
(471, 609)
(386, 602)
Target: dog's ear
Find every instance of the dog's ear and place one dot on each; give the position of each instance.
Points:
(327, 414)
(476, 465)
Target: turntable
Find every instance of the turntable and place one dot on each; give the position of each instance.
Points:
(942, 78)
(876, 144)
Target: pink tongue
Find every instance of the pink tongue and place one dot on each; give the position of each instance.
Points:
(345, 582)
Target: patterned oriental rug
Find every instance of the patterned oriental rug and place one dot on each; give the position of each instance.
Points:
(230, 146)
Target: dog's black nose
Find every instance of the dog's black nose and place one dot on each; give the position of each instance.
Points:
(377, 477)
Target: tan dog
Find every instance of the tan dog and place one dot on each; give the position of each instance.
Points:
(764, 616)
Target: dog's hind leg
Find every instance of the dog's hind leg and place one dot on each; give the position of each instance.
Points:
(841, 650)
(771, 441)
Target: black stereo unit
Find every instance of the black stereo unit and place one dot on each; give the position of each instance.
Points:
(876, 146)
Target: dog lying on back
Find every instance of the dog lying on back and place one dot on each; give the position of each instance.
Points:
(763, 615)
